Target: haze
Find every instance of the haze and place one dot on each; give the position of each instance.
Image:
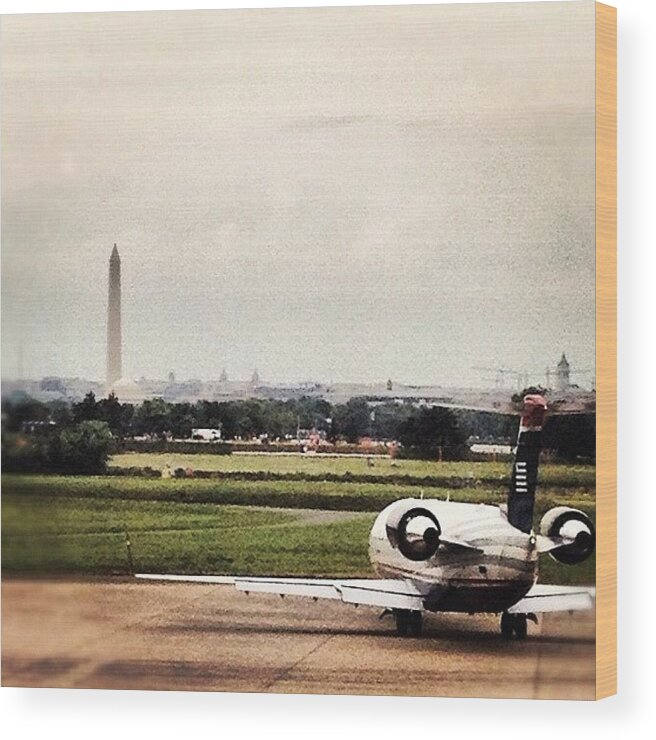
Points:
(336, 194)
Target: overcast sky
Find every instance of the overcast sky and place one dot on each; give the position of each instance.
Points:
(334, 194)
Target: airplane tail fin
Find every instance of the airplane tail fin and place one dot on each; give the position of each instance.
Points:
(521, 498)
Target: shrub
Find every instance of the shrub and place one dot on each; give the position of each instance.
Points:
(175, 446)
(83, 448)
(24, 454)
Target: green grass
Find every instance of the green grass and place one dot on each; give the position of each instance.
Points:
(48, 534)
(43, 515)
(583, 574)
(59, 532)
(286, 494)
(581, 476)
(60, 524)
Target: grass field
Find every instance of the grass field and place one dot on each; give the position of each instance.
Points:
(44, 533)
(233, 525)
(343, 496)
(49, 534)
(575, 476)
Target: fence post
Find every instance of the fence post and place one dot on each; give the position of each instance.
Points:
(128, 547)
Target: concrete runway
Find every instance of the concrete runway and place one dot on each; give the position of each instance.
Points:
(122, 634)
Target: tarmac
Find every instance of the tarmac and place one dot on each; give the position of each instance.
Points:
(124, 634)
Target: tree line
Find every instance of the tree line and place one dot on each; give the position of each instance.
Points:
(240, 419)
(80, 437)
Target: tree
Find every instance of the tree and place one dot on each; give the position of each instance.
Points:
(433, 433)
(486, 425)
(311, 413)
(110, 410)
(17, 412)
(152, 417)
(84, 448)
(25, 454)
(352, 420)
(388, 419)
(87, 409)
(227, 414)
(181, 419)
(573, 437)
(61, 413)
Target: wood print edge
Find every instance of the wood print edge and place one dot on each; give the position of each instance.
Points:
(606, 345)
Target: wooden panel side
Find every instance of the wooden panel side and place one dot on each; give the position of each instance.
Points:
(606, 346)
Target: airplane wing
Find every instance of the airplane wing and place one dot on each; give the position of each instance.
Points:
(555, 599)
(387, 593)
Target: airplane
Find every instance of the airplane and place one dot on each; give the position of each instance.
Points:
(443, 556)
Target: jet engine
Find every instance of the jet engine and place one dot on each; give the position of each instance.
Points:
(415, 533)
(575, 528)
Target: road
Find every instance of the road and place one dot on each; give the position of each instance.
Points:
(118, 633)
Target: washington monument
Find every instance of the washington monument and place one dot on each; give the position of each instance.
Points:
(114, 363)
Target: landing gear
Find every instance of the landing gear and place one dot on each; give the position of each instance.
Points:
(513, 624)
(520, 626)
(507, 626)
(408, 621)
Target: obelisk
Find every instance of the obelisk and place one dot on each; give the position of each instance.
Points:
(114, 363)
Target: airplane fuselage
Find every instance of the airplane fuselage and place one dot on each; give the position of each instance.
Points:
(484, 565)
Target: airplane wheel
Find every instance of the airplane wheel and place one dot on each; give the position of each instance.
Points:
(513, 624)
(402, 618)
(415, 619)
(520, 626)
(507, 625)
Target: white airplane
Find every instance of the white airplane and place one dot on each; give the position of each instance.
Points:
(442, 556)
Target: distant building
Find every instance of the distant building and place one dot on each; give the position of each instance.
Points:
(127, 391)
(224, 376)
(255, 378)
(53, 384)
(562, 374)
(114, 341)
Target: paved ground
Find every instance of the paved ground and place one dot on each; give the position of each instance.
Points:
(135, 635)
